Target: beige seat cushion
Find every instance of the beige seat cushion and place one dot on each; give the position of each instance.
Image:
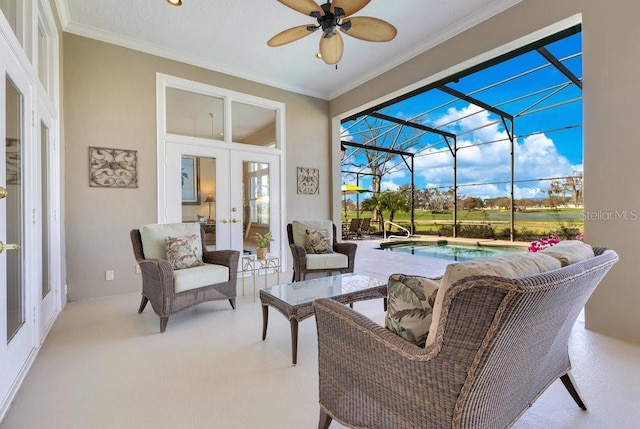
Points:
(153, 236)
(409, 308)
(195, 277)
(569, 252)
(299, 229)
(326, 261)
(511, 265)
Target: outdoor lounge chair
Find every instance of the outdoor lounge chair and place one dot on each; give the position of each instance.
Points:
(354, 229)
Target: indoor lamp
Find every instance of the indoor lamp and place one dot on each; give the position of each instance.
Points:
(209, 200)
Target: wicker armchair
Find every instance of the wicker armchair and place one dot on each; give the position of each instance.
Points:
(342, 260)
(158, 285)
(499, 344)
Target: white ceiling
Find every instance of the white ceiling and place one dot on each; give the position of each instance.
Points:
(230, 36)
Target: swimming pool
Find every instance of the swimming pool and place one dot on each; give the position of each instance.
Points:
(453, 251)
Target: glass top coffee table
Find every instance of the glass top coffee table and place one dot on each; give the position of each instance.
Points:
(294, 300)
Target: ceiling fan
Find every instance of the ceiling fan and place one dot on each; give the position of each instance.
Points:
(331, 16)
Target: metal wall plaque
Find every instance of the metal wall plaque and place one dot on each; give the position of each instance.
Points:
(113, 168)
(308, 180)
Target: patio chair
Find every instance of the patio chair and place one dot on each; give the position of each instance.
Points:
(170, 289)
(365, 227)
(353, 230)
(328, 258)
(494, 345)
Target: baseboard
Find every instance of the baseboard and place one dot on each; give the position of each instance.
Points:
(8, 400)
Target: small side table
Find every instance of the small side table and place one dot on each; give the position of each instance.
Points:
(251, 264)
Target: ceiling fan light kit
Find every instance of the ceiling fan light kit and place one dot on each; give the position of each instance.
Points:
(331, 16)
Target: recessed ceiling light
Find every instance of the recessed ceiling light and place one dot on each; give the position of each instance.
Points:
(175, 2)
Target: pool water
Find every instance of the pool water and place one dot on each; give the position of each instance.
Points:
(446, 250)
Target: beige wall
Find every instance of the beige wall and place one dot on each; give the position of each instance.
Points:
(611, 61)
(109, 101)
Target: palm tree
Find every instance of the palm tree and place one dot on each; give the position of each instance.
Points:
(386, 201)
(394, 202)
(374, 205)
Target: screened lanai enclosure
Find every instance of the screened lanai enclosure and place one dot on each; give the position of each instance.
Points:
(494, 151)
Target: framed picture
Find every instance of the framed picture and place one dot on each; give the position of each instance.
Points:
(308, 180)
(190, 176)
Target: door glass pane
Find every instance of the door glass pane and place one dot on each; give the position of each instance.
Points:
(253, 125)
(15, 291)
(255, 200)
(44, 168)
(196, 115)
(10, 11)
(199, 194)
(43, 56)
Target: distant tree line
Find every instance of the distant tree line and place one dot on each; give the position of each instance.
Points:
(561, 192)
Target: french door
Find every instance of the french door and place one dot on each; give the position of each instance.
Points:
(48, 295)
(233, 193)
(17, 321)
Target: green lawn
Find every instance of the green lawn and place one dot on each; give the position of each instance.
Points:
(529, 224)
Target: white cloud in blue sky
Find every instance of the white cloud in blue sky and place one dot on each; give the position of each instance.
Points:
(536, 156)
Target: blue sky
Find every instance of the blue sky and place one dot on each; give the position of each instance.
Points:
(548, 144)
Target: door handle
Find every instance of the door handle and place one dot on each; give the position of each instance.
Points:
(234, 220)
(3, 193)
(224, 220)
(4, 247)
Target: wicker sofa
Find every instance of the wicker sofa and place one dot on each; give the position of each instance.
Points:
(499, 343)
(171, 291)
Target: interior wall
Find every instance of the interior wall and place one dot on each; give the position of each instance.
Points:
(611, 59)
(109, 101)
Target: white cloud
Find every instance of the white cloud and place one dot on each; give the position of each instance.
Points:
(388, 185)
(345, 134)
(536, 156)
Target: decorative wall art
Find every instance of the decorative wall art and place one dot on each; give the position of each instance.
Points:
(13, 161)
(113, 168)
(308, 180)
(190, 176)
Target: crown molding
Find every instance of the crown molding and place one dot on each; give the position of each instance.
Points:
(160, 51)
(63, 13)
(481, 15)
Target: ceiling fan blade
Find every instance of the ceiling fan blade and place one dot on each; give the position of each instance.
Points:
(331, 48)
(290, 35)
(370, 29)
(303, 6)
(349, 6)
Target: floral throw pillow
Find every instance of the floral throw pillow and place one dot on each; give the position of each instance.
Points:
(317, 242)
(410, 306)
(184, 252)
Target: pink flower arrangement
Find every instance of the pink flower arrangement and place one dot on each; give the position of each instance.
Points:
(580, 236)
(543, 243)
